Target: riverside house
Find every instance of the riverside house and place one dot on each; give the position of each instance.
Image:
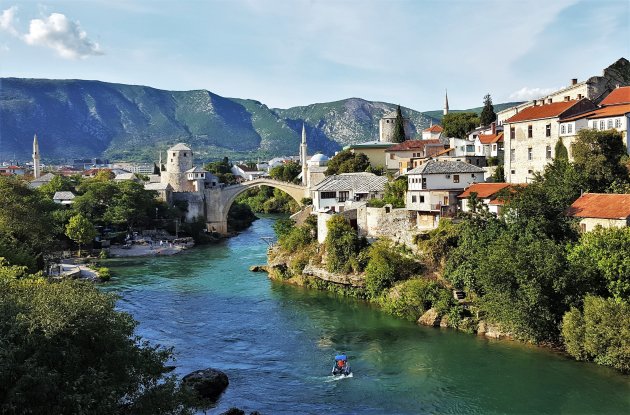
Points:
(340, 191)
(601, 209)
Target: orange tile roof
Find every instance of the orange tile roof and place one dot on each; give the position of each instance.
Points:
(610, 111)
(434, 129)
(617, 96)
(601, 205)
(542, 111)
(413, 145)
(491, 138)
(483, 190)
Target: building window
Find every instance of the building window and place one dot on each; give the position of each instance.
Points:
(561, 129)
(413, 199)
(530, 171)
(512, 155)
(512, 132)
(456, 178)
(602, 125)
(329, 195)
(421, 199)
(594, 125)
(529, 131)
(569, 128)
(445, 200)
(343, 196)
(610, 124)
(548, 152)
(424, 182)
(618, 123)
(583, 227)
(529, 153)
(512, 171)
(548, 130)
(184, 154)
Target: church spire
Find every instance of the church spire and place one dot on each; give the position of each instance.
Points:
(445, 102)
(36, 158)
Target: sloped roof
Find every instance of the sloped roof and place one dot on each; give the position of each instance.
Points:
(358, 182)
(601, 205)
(491, 138)
(125, 176)
(44, 179)
(617, 96)
(538, 112)
(246, 168)
(196, 169)
(179, 147)
(610, 111)
(63, 196)
(483, 190)
(445, 167)
(157, 186)
(413, 145)
(434, 129)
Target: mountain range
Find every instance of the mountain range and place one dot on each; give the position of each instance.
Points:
(85, 119)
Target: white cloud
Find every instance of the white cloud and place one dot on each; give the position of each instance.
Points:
(62, 35)
(526, 94)
(7, 20)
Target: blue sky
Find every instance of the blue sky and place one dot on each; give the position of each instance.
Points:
(298, 52)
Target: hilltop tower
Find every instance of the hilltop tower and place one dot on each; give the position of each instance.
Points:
(303, 156)
(445, 102)
(386, 127)
(179, 159)
(36, 158)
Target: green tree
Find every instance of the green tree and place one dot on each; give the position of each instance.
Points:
(386, 264)
(488, 116)
(347, 162)
(222, 169)
(80, 230)
(561, 150)
(603, 256)
(600, 333)
(600, 156)
(459, 124)
(499, 174)
(342, 245)
(66, 350)
(287, 172)
(399, 127)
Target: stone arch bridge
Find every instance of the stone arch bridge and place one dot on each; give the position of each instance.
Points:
(220, 199)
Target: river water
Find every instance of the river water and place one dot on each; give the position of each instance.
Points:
(277, 342)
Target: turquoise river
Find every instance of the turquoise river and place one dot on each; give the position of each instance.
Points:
(277, 342)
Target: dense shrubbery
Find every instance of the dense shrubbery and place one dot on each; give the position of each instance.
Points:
(395, 191)
(267, 199)
(65, 349)
(342, 246)
(347, 162)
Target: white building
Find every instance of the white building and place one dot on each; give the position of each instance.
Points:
(400, 156)
(433, 132)
(432, 189)
(531, 136)
(340, 191)
(246, 172)
(64, 198)
(487, 194)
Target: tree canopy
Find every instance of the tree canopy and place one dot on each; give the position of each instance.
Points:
(347, 162)
(600, 156)
(399, 127)
(286, 172)
(459, 124)
(488, 116)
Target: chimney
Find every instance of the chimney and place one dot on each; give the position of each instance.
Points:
(549, 100)
(535, 101)
(494, 127)
(567, 98)
(573, 81)
(579, 96)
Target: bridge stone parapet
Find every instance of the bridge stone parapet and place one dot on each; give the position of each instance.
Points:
(220, 199)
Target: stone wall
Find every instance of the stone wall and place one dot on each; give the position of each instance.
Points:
(399, 225)
(196, 205)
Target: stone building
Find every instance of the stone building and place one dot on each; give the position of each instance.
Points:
(179, 159)
(386, 127)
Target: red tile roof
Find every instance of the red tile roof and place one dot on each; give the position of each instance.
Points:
(610, 111)
(601, 205)
(617, 96)
(483, 190)
(538, 112)
(491, 138)
(413, 145)
(434, 129)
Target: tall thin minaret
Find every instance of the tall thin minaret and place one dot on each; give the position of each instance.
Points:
(303, 156)
(36, 168)
(446, 102)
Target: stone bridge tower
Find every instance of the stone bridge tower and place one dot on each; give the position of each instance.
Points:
(179, 159)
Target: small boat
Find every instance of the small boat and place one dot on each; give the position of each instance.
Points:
(341, 367)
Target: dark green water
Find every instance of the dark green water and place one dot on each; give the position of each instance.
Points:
(276, 343)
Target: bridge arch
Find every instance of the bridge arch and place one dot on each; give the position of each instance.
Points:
(220, 200)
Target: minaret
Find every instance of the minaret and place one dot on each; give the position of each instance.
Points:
(36, 171)
(446, 102)
(303, 156)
